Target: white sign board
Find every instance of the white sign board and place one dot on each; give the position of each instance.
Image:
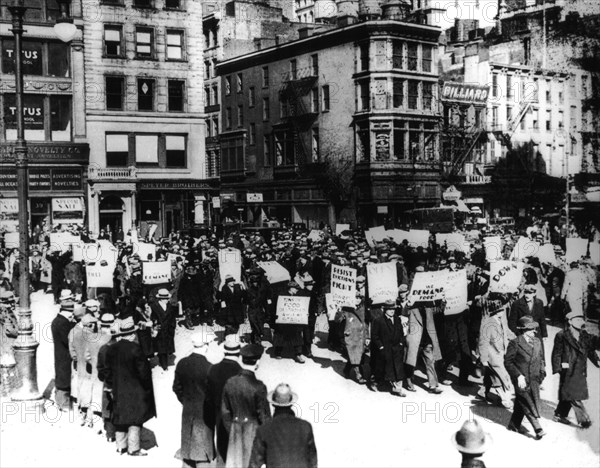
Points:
(339, 228)
(292, 310)
(143, 249)
(11, 240)
(595, 253)
(505, 276)
(576, 248)
(332, 307)
(316, 235)
(343, 285)
(62, 241)
(546, 254)
(274, 272)
(427, 286)
(383, 282)
(453, 241)
(455, 292)
(524, 248)
(156, 272)
(230, 263)
(493, 248)
(67, 211)
(254, 197)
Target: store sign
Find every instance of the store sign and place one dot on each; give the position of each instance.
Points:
(451, 194)
(216, 202)
(33, 111)
(31, 53)
(67, 211)
(382, 210)
(173, 185)
(465, 92)
(49, 153)
(45, 179)
(382, 145)
(254, 197)
(199, 209)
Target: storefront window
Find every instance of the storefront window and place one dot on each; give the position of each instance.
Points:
(60, 118)
(39, 58)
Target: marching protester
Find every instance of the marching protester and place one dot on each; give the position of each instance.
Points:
(163, 317)
(61, 327)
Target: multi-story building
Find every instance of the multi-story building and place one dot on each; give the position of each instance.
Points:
(335, 123)
(144, 85)
(54, 108)
(311, 11)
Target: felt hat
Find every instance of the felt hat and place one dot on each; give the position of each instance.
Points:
(106, 320)
(92, 303)
(163, 294)
(403, 288)
(389, 304)
(251, 353)
(527, 323)
(471, 438)
(574, 314)
(126, 327)
(66, 295)
(282, 396)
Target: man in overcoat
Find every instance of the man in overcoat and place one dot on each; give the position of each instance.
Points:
(286, 440)
(190, 385)
(387, 335)
(164, 315)
(289, 334)
(531, 306)
(573, 346)
(107, 339)
(244, 408)
(524, 362)
(233, 298)
(257, 297)
(355, 334)
(218, 375)
(189, 294)
(61, 327)
(129, 376)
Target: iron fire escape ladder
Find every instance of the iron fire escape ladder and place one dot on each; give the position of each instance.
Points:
(460, 160)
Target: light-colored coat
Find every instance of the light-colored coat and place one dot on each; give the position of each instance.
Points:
(415, 333)
(494, 336)
(95, 385)
(80, 339)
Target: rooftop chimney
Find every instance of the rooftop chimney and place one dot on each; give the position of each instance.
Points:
(397, 10)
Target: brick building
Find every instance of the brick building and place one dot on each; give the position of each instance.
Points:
(354, 106)
(145, 114)
(54, 107)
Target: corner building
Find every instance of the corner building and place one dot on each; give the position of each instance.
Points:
(360, 97)
(144, 82)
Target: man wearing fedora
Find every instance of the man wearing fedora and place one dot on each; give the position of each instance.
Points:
(472, 442)
(573, 346)
(524, 362)
(244, 408)
(531, 306)
(108, 332)
(129, 376)
(189, 295)
(218, 375)
(163, 316)
(61, 327)
(233, 302)
(190, 386)
(285, 440)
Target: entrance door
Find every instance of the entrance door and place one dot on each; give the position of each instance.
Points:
(111, 213)
(173, 219)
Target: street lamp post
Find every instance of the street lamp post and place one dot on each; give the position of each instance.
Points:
(25, 345)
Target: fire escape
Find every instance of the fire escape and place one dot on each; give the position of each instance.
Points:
(505, 134)
(298, 118)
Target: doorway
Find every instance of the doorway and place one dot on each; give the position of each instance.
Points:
(173, 219)
(111, 213)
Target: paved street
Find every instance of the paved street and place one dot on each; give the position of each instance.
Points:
(353, 426)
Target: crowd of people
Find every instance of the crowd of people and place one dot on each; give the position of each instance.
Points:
(106, 340)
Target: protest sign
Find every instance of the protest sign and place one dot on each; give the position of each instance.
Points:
(156, 272)
(378, 233)
(332, 307)
(576, 248)
(144, 249)
(100, 274)
(397, 235)
(524, 248)
(595, 253)
(62, 241)
(230, 263)
(316, 235)
(505, 276)
(453, 241)
(339, 228)
(383, 281)
(418, 238)
(343, 285)
(172, 258)
(370, 239)
(274, 272)
(11, 240)
(427, 286)
(292, 310)
(546, 254)
(455, 292)
(493, 248)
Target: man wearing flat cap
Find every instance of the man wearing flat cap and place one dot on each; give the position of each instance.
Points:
(190, 386)
(244, 407)
(573, 346)
(285, 440)
(290, 335)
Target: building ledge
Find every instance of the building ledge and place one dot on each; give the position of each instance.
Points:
(287, 171)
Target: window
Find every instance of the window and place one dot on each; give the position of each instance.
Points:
(207, 69)
(39, 58)
(144, 42)
(293, 69)
(584, 86)
(142, 3)
(251, 97)
(397, 55)
(114, 92)
(398, 93)
(495, 85)
(399, 141)
(548, 92)
(60, 118)
(314, 64)
(429, 142)
(326, 98)
(414, 141)
(283, 107)
(573, 118)
(228, 118)
(175, 98)
(548, 120)
(232, 154)
(527, 50)
(364, 57)
(561, 97)
(146, 149)
(315, 145)
(207, 96)
(239, 82)
(117, 149)
(536, 119)
(413, 55)
(510, 92)
(174, 45)
(215, 125)
(265, 77)
(413, 94)
(267, 150)
(427, 96)
(112, 41)
(252, 136)
(509, 111)
(215, 92)
(240, 115)
(227, 85)
(173, 4)
(213, 70)
(561, 121)
(364, 96)
(314, 100)
(427, 58)
(145, 94)
(495, 117)
(363, 142)
(175, 150)
(266, 110)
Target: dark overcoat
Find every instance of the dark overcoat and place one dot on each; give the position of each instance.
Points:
(190, 384)
(128, 374)
(189, 292)
(528, 361)
(573, 380)
(389, 340)
(218, 375)
(520, 308)
(164, 342)
(60, 328)
(107, 403)
(244, 408)
(285, 441)
(234, 304)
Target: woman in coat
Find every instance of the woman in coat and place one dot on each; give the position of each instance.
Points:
(525, 364)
